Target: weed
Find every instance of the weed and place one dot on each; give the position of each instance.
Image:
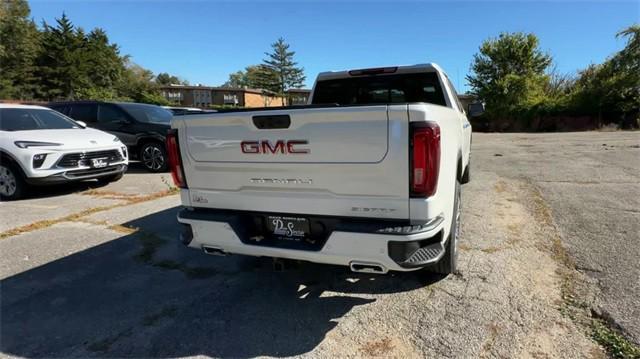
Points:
(75, 217)
(616, 345)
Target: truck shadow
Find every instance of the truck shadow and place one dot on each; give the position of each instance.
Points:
(145, 295)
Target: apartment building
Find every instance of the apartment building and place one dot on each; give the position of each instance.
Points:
(207, 96)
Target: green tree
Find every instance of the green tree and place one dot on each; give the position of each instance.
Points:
(103, 60)
(19, 47)
(164, 78)
(280, 61)
(611, 90)
(137, 84)
(63, 63)
(254, 76)
(508, 73)
(236, 79)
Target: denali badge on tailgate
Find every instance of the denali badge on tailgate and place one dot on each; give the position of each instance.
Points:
(280, 146)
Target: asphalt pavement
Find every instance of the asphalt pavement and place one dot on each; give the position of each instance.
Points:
(98, 272)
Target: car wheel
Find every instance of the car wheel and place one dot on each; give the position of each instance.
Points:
(11, 182)
(449, 262)
(153, 157)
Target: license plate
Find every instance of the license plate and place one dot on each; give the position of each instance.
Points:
(99, 162)
(288, 227)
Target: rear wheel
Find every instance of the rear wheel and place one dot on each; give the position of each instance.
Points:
(449, 262)
(12, 183)
(153, 157)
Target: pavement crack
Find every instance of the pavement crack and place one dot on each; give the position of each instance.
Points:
(79, 216)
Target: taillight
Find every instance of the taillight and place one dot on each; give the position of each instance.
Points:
(425, 158)
(175, 161)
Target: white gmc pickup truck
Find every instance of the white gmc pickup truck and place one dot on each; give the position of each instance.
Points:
(367, 175)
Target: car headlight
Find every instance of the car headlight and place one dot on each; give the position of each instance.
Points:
(116, 139)
(27, 144)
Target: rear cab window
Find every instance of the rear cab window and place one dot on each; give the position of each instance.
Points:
(381, 89)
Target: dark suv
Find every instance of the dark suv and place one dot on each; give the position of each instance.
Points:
(141, 127)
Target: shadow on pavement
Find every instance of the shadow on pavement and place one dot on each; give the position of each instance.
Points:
(138, 167)
(64, 189)
(144, 295)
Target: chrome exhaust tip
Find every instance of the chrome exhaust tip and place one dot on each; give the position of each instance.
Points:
(364, 267)
(214, 251)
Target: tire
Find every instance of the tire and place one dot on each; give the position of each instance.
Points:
(153, 157)
(448, 264)
(110, 178)
(466, 176)
(12, 184)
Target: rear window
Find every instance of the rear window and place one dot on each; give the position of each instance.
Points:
(25, 119)
(383, 89)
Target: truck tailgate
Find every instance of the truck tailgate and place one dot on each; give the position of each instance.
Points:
(340, 161)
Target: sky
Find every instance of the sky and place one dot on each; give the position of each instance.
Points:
(204, 41)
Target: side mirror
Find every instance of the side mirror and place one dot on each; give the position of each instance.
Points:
(476, 109)
(81, 124)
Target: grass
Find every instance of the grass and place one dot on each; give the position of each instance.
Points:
(494, 330)
(616, 345)
(78, 216)
(602, 332)
(491, 250)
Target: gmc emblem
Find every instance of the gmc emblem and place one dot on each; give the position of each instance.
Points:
(280, 146)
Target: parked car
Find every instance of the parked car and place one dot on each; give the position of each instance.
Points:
(39, 146)
(367, 176)
(141, 127)
(179, 111)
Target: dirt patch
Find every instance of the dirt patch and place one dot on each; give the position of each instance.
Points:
(79, 216)
(377, 348)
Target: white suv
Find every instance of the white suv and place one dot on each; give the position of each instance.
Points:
(40, 146)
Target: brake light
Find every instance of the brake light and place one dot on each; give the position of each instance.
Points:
(374, 71)
(175, 161)
(425, 158)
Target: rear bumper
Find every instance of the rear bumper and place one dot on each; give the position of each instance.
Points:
(346, 241)
(77, 175)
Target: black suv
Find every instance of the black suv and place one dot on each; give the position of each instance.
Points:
(141, 127)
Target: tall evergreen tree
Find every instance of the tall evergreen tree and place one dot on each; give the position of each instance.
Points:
(19, 47)
(104, 60)
(280, 61)
(62, 65)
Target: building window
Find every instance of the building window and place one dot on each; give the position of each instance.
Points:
(230, 99)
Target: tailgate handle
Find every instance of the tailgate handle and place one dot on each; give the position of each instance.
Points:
(272, 122)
